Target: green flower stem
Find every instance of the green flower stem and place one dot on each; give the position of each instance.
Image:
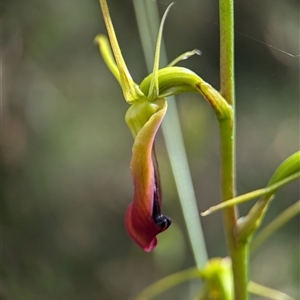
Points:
(227, 50)
(176, 80)
(277, 223)
(238, 251)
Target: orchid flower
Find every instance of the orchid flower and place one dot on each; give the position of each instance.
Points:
(144, 219)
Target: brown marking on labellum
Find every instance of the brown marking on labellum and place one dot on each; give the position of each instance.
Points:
(161, 220)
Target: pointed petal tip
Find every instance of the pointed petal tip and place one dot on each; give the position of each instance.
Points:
(98, 39)
(151, 246)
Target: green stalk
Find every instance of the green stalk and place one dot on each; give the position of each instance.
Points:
(227, 50)
(238, 251)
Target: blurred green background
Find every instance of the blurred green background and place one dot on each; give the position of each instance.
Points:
(66, 149)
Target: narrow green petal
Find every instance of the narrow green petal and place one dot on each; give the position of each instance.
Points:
(107, 55)
(154, 89)
(184, 56)
(130, 89)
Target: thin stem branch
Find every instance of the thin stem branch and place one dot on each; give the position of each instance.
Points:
(251, 195)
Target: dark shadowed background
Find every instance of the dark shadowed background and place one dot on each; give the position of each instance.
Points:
(66, 149)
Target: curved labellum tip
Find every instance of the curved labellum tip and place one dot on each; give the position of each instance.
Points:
(143, 229)
(143, 216)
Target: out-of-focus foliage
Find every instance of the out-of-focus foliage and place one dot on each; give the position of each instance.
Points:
(66, 150)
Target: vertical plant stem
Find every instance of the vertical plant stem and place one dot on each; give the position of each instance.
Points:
(226, 12)
(237, 250)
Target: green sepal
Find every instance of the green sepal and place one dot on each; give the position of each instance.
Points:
(131, 90)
